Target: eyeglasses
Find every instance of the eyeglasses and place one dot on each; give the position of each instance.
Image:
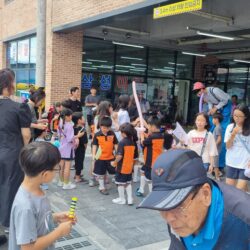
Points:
(181, 210)
(238, 116)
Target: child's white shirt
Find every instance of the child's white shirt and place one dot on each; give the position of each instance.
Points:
(237, 155)
(195, 143)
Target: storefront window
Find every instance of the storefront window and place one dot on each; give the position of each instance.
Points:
(248, 94)
(33, 52)
(161, 63)
(184, 66)
(222, 73)
(159, 93)
(23, 54)
(101, 80)
(123, 85)
(12, 54)
(98, 56)
(113, 68)
(130, 61)
(237, 81)
(21, 57)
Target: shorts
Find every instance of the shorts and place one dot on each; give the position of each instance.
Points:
(147, 172)
(236, 173)
(90, 119)
(101, 167)
(123, 178)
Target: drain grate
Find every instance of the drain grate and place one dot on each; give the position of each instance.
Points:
(74, 241)
(75, 246)
(73, 235)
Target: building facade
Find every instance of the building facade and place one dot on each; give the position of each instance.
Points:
(89, 42)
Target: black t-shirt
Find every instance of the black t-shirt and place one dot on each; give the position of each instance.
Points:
(75, 106)
(84, 139)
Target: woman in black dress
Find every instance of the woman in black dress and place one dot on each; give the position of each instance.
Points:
(14, 133)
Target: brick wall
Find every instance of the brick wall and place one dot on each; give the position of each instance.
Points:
(63, 51)
(64, 65)
(18, 16)
(199, 66)
(65, 11)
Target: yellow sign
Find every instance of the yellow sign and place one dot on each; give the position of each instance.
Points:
(177, 8)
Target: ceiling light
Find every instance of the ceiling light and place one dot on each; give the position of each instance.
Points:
(84, 53)
(89, 68)
(164, 70)
(193, 54)
(94, 60)
(125, 66)
(104, 67)
(178, 64)
(137, 70)
(139, 64)
(87, 62)
(131, 58)
(215, 35)
(242, 61)
(129, 45)
(119, 70)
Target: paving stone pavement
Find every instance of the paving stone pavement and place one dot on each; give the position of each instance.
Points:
(119, 226)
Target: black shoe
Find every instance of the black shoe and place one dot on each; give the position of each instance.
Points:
(3, 240)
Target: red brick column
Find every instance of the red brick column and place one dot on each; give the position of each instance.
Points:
(63, 65)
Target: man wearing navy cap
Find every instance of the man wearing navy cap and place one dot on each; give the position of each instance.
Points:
(200, 213)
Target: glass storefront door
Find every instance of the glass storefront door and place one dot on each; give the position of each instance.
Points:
(181, 97)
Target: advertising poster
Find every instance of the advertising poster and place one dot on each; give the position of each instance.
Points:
(23, 51)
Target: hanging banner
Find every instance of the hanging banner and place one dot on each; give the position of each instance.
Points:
(177, 8)
(23, 52)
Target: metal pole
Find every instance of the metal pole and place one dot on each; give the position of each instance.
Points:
(41, 43)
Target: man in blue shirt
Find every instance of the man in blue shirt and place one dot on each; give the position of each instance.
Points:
(201, 214)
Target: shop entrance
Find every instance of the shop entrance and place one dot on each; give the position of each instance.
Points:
(181, 97)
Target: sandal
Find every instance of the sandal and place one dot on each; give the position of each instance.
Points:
(81, 180)
(104, 192)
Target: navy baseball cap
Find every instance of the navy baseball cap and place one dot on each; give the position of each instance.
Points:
(174, 175)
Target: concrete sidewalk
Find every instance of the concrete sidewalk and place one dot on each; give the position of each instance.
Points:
(104, 225)
(111, 226)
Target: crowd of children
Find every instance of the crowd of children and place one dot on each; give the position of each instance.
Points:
(116, 146)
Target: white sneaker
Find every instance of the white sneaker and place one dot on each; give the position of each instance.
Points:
(59, 183)
(135, 180)
(130, 202)
(119, 201)
(69, 186)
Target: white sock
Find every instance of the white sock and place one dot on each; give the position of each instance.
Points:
(121, 190)
(129, 193)
(142, 184)
(136, 167)
(101, 183)
(150, 186)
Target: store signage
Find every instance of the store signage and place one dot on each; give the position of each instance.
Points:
(104, 81)
(122, 83)
(177, 8)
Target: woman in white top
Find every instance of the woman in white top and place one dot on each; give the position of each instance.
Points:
(202, 141)
(122, 114)
(237, 139)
